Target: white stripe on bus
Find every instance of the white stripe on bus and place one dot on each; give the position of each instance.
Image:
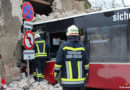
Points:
(108, 63)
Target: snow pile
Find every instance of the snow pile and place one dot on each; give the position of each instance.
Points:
(23, 84)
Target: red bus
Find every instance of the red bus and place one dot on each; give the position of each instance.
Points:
(106, 34)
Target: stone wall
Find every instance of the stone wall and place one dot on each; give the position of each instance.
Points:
(10, 27)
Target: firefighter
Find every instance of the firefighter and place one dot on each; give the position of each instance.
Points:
(41, 52)
(72, 61)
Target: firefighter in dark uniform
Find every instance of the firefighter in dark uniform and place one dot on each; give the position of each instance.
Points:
(41, 53)
(72, 61)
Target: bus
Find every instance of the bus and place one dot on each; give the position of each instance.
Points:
(106, 35)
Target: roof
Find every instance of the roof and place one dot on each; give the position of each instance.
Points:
(83, 14)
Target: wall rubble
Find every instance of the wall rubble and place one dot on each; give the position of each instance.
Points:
(63, 8)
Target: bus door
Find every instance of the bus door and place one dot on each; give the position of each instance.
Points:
(56, 39)
(86, 42)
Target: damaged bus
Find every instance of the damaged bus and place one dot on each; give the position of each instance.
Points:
(106, 34)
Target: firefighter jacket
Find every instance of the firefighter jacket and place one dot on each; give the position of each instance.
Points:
(41, 48)
(72, 61)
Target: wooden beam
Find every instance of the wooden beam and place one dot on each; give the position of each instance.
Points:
(42, 2)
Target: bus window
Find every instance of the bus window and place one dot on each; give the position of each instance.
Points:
(56, 39)
(108, 43)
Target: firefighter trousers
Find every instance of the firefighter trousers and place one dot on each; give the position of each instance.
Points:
(40, 64)
(34, 70)
(73, 88)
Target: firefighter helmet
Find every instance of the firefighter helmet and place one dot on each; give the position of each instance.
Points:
(36, 36)
(72, 30)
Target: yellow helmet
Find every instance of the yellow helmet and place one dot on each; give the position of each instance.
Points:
(36, 36)
(72, 30)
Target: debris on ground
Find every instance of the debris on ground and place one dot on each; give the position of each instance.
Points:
(23, 85)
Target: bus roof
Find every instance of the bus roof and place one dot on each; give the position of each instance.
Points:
(78, 15)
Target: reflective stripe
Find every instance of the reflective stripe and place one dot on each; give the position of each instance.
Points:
(56, 65)
(44, 48)
(81, 74)
(87, 74)
(39, 75)
(66, 82)
(70, 69)
(42, 76)
(67, 68)
(79, 79)
(26, 70)
(34, 74)
(74, 49)
(57, 68)
(40, 41)
(55, 73)
(41, 53)
(36, 71)
(79, 69)
(38, 54)
(86, 66)
(38, 50)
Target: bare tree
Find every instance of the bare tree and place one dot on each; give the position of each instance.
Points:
(112, 4)
(123, 3)
(88, 4)
(106, 4)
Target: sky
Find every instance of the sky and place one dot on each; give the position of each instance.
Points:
(107, 4)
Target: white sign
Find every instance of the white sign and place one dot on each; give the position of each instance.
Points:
(28, 25)
(56, 41)
(29, 54)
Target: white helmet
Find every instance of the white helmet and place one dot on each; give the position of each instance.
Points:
(72, 30)
(36, 36)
